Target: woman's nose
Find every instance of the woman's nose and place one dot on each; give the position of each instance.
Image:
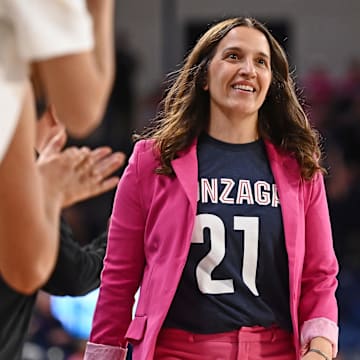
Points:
(247, 67)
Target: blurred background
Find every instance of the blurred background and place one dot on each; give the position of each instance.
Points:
(152, 38)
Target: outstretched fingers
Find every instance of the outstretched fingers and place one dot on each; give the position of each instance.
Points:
(107, 165)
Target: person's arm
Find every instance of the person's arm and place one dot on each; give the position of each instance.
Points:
(123, 266)
(78, 85)
(77, 270)
(31, 200)
(318, 309)
(28, 223)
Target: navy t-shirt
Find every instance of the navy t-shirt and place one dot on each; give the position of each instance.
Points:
(236, 273)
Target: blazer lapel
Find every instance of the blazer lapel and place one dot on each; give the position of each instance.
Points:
(186, 170)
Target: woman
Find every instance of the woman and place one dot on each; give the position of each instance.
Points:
(221, 218)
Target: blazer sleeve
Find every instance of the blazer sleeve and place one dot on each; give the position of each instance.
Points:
(318, 311)
(77, 269)
(123, 266)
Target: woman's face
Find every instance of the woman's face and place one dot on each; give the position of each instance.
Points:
(239, 74)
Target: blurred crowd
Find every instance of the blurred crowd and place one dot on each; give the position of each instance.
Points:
(334, 108)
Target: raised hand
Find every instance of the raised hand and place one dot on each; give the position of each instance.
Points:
(93, 175)
(59, 168)
(84, 172)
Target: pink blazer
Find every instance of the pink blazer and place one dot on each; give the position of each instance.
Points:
(149, 239)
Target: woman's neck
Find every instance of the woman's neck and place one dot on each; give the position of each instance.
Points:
(234, 130)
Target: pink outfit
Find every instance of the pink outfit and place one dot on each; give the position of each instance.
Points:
(247, 343)
(149, 239)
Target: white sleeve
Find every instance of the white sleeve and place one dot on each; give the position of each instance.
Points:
(50, 28)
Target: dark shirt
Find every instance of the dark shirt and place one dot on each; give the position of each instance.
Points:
(237, 269)
(77, 271)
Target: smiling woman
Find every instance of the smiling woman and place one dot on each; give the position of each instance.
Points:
(239, 77)
(222, 209)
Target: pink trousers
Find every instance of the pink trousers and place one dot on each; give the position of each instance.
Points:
(248, 343)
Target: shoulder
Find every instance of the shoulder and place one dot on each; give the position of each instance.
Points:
(145, 155)
(144, 145)
(146, 149)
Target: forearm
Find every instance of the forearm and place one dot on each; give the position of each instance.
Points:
(28, 218)
(79, 84)
(30, 245)
(103, 13)
(77, 270)
(318, 310)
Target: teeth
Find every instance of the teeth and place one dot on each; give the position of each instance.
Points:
(244, 87)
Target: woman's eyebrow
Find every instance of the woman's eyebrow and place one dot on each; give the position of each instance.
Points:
(237, 48)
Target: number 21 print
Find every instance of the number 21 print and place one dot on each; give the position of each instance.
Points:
(250, 227)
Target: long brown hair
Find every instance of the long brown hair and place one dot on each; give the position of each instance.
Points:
(185, 108)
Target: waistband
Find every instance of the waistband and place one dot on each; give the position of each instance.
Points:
(244, 334)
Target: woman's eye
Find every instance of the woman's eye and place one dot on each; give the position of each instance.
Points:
(262, 61)
(233, 57)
